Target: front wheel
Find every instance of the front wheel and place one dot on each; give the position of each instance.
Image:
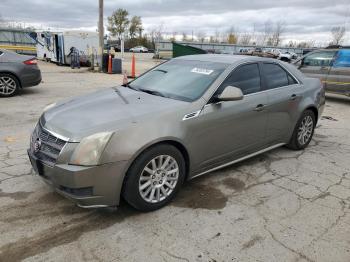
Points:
(303, 131)
(154, 178)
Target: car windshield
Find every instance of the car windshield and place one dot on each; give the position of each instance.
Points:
(185, 80)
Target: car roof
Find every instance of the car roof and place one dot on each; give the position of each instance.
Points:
(227, 59)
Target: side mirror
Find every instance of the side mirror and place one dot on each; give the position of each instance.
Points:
(230, 93)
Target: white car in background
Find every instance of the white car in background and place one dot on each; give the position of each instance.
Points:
(139, 49)
(282, 55)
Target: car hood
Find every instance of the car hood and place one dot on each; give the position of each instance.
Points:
(105, 110)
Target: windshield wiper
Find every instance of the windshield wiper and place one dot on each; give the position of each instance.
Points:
(161, 70)
(152, 92)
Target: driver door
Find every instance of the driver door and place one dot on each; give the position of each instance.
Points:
(229, 130)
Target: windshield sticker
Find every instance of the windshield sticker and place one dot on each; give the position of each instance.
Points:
(202, 71)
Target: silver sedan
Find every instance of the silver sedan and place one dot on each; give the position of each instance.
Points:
(182, 119)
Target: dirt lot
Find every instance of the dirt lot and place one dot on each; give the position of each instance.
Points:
(279, 206)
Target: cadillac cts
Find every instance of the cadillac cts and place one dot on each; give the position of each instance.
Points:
(181, 119)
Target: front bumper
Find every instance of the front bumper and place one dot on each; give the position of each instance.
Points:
(95, 186)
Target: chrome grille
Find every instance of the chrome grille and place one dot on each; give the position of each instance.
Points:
(50, 147)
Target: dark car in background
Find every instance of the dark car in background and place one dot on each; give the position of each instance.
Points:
(331, 65)
(16, 72)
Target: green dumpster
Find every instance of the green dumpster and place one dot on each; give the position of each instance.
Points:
(181, 50)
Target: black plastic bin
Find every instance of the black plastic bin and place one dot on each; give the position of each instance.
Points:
(116, 66)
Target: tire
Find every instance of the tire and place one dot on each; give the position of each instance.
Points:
(9, 85)
(149, 190)
(304, 125)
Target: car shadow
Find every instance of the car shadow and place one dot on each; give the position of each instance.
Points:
(28, 91)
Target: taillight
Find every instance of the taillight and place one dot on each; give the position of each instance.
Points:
(31, 62)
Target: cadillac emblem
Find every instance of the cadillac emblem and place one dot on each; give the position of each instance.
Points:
(37, 145)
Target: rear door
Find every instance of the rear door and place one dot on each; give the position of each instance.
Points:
(338, 80)
(284, 95)
(317, 64)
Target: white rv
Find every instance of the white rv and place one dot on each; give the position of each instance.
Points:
(56, 46)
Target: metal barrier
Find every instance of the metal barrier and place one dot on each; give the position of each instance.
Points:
(18, 47)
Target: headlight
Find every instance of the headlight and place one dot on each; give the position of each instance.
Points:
(49, 107)
(90, 149)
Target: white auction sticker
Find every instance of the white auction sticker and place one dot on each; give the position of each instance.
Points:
(202, 71)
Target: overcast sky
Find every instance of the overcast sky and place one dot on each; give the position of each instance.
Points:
(304, 19)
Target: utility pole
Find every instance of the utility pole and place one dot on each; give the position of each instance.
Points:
(100, 33)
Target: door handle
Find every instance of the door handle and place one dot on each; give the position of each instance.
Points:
(293, 97)
(259, 107)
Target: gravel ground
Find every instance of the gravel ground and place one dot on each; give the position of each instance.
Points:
(280, 206)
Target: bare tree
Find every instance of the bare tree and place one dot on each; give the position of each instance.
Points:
(338, 33)
(292, 43)
(201, 36)
(306, 44)
(3, 23)
(267, 34)
(158, 35)
(217, 36)
(278, 30)
(173, 38)
(184, 37)
(245, 38)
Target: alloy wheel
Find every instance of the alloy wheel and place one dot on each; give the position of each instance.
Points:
(158, 178)
(305, 130)
(7, 85)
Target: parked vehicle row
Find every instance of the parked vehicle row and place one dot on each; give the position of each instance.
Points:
(141, 141)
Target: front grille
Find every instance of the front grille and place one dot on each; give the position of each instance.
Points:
(49, 147)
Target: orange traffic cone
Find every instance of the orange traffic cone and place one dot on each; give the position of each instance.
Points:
(110, 64)
(125, 78)
(133, 74)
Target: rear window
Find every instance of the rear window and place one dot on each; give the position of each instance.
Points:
(276, 76)
(245, 77)
(342, 59)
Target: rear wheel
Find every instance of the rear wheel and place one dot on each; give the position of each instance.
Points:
(9, 85)
(303, 131)
(154, 178)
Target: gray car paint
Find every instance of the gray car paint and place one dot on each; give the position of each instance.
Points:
(12, 63)
(218, 134)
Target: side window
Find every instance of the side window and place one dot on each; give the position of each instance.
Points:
(276, 76)
(342, 58)
(323, 58)
(245, 77)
